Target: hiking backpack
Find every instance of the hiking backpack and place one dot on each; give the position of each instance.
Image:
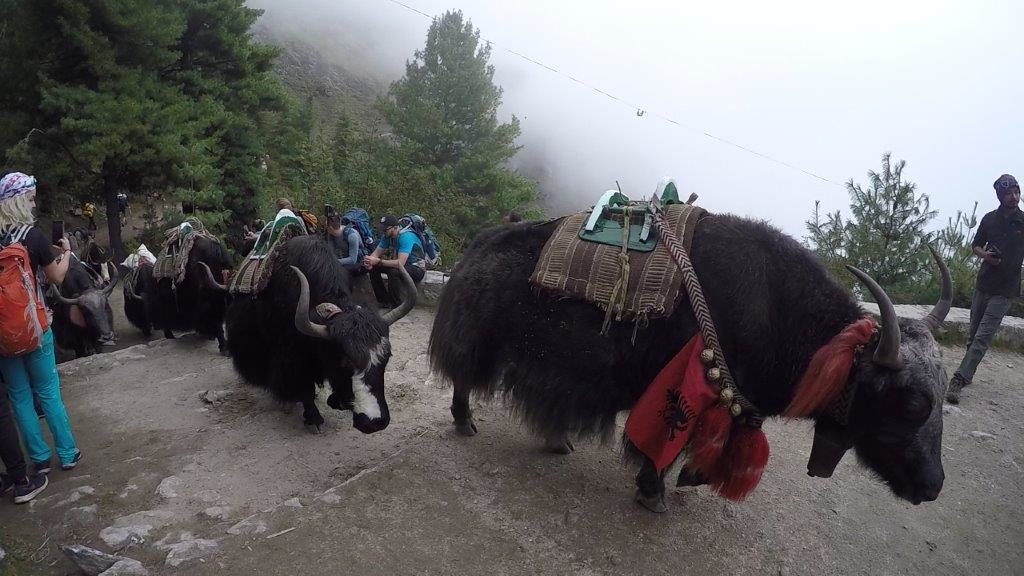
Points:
(22, 309)
(360, 220)
(431, 247)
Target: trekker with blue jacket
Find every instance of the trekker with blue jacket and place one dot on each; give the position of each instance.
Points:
(408, 254)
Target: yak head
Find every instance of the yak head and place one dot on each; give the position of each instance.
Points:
(894, 420)
(89, 307)
(359, 337)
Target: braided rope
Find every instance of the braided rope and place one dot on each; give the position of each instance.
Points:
(701, 310)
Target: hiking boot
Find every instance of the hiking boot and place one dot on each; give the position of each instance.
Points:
(6, 484)
(956, 384)
(30, 489)
(41, 467)
(73, 463)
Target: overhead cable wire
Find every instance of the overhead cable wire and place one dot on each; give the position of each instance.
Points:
(640, 110)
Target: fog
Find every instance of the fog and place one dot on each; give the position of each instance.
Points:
(822, 87)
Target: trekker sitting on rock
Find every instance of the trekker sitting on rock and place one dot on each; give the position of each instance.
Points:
(406, 245)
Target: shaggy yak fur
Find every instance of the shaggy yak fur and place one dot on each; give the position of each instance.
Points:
(773, 303)
(192, 304)
(270, 351)
(82, 319)
(139, 301)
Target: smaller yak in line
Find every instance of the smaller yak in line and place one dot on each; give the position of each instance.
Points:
(774, 306)
(280, 342)
(82, 319)
(158, 303)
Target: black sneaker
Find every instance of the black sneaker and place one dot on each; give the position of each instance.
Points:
(41, 467)
(29, 490)
(73, 463)
(6, 484)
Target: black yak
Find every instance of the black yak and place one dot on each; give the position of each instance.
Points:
(138, 300)
(774, 306)
(280, 343)
(192, 304)
(82, 318)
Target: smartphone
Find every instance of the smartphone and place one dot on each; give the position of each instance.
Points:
(58, 232)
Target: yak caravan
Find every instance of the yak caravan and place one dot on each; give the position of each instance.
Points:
(790, 368)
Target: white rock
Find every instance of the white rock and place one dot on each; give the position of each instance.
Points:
(208, 496)
(293, 503)
(83, 513)
(217, 512)
(949, 409)
(90, 561)
(980, 434)
(134, 527)
(127, 567)
(168, 487)
(190, 550)
(330, 498)
(249, 527)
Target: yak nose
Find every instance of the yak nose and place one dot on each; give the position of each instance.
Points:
(366, 425)
(929, 489)
(108, 339)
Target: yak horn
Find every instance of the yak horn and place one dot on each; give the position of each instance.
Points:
(408, 299)
(938, 314)
(302, 322)
(888, 352)
(56, 294)
(211, 281)
(114, 277)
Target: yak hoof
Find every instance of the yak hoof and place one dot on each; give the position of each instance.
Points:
(317, 429)
(224, 352)
(654, 503)
(559, 445)
(466, 428)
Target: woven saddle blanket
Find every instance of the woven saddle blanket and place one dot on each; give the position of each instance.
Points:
(254, 272)
(577, 268)
(173, 259)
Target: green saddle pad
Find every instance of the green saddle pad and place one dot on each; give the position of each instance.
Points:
(609, 227)
(271, 233)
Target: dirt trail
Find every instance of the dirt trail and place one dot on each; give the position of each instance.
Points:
(220, 481)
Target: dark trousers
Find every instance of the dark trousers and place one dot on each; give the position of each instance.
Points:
(391, 295)
(10, 445)
(987, 313)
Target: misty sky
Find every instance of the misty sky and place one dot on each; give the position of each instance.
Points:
(825, 87)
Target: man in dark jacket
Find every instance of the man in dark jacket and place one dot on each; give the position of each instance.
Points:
(1000, 244)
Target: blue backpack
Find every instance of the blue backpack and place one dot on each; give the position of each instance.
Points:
(360, 220)
(431, 247)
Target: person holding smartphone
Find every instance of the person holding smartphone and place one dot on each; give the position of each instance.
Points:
(1000, 245)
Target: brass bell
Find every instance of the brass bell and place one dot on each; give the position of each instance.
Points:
(714, 374)
(726, 395)
(736, 409)
(707, 356)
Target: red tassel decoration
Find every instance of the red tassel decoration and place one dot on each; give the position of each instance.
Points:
(742, 464)
(709, 439)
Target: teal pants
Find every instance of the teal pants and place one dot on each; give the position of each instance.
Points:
(36, 373)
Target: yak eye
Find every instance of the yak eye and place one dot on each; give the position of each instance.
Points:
(916, 406)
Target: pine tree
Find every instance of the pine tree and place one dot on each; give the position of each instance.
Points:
(885, 234)
(444, 117)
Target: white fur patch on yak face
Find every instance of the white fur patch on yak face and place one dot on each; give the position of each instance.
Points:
(364, 401)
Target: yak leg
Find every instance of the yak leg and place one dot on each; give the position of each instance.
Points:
(222, 345)
(650, 487)
(310, 413)
(461, 410)
(559, 443)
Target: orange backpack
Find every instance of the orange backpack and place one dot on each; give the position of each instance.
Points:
(22, 311)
